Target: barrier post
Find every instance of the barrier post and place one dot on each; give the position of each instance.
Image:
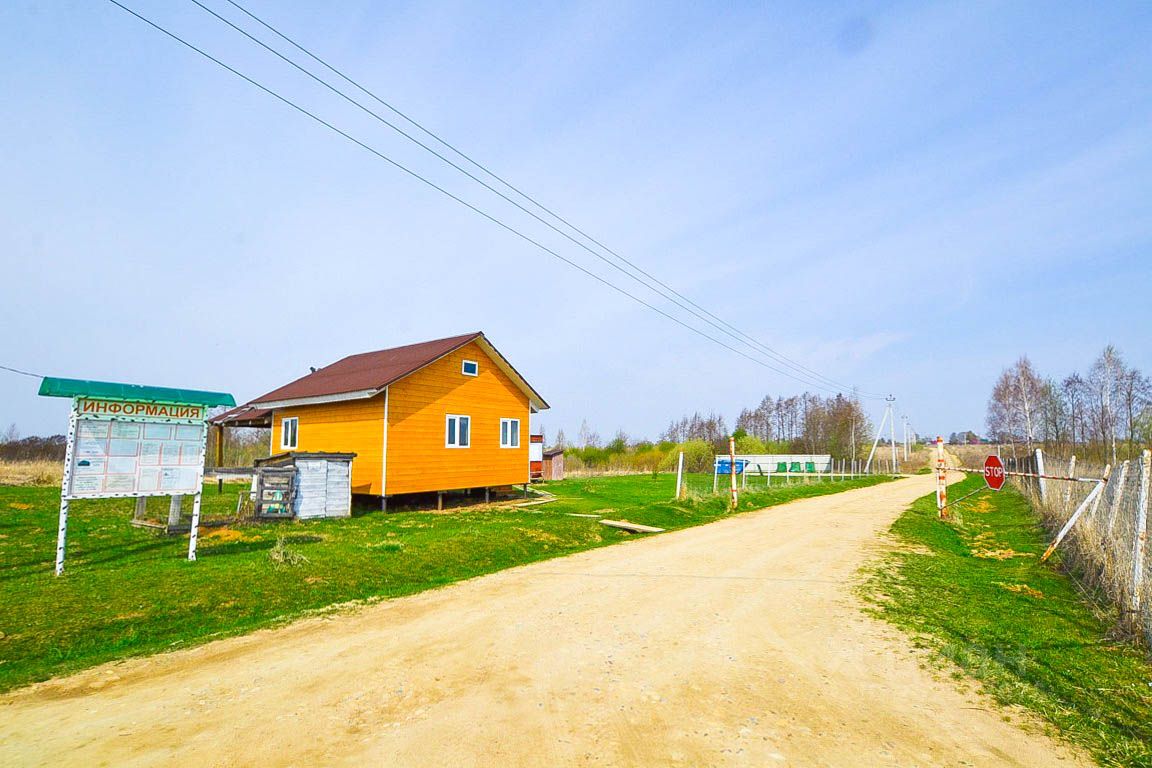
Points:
(941, 479)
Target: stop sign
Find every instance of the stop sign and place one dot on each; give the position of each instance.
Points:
(994, 472)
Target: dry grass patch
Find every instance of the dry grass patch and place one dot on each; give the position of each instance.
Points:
(1021, 589)
(997, 554)
(26, 473)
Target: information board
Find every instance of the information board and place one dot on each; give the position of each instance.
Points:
(128, 440)
(132, 456)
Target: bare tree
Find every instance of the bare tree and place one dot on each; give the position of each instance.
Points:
(587, 438)
(1104, 379)
(1091, 415)
(1135, 389)
(1073, 392)
(1002, 419)
(1014, 409)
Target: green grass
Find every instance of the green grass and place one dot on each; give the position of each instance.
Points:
(128, 591)
(1019, 627)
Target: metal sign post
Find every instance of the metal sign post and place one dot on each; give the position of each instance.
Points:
(194, 534)
(62, 531)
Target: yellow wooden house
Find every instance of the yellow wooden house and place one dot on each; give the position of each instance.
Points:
(441, 415)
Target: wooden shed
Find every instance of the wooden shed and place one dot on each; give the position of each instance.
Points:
(553, 464)
(449, 414)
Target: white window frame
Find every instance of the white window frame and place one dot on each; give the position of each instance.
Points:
(448, 417)
(512, 443)
(464, 367)
(295, 421)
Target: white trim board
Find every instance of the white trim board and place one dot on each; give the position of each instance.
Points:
(384, 455)
(361, 394)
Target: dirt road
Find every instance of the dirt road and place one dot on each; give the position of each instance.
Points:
(735, 643)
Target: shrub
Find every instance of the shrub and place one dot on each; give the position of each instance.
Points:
(750, 444)
(698, 456)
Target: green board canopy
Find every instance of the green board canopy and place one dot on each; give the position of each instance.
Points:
(107, 390)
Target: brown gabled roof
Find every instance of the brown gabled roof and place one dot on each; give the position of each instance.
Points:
(370, 372)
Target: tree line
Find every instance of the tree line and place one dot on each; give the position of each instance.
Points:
(806, 423)
(1104, 413)
(16, 448)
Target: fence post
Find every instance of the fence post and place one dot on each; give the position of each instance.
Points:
(1071, 473)
(1141, 530)
(732, 469)
(680, 477)
(1040, 472)
(1072, 520)
(174, 504)
(1096, 503)
(1117, 497)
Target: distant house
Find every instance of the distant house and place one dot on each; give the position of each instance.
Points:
(442, 415)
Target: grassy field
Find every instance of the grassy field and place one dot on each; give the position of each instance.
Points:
(129, 591)
(976, 594)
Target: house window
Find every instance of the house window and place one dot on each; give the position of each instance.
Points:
(288, 433)
(470, 368)
(457, 431)
(509, 433)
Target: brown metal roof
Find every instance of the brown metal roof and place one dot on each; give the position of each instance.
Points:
(372, 371)
(368, 370)
(244, 416)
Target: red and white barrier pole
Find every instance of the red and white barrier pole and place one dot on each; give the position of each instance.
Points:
(941, 479)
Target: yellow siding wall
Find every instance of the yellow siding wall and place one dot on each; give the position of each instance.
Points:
(354, 426)
(418, 460)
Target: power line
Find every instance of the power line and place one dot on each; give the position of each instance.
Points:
(22, 373)
(724, 326)
(449, 194)
(808, 376)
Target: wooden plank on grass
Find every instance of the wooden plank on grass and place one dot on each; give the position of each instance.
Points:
(633, 527)
(534, 503)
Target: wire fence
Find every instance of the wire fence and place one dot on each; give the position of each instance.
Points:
(1106, 546)
(708, 483)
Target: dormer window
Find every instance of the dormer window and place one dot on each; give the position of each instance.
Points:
(470, 368)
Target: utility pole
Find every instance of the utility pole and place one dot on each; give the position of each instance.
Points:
(892, 429)
(888, 416)
(853, 442)
(905, 438)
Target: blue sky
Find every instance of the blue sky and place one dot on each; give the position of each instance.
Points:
(904, 197)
